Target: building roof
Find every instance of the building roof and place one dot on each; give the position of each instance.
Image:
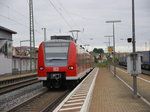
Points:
(7, 30)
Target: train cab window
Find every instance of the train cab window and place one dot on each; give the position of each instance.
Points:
(56, 54)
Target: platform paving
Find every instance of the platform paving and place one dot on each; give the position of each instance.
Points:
(3, 78)
(111, 95)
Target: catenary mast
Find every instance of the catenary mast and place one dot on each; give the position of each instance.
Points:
(32, 38)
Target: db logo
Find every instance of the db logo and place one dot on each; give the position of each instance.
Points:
(55, 69)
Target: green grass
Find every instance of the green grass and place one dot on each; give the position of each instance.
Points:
(102, 65)
(105, 63)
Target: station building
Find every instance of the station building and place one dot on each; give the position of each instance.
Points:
(14, 60)
(6, 50)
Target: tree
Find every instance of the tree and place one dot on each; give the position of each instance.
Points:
(100, 50)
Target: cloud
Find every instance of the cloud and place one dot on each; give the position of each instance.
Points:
(88, 14)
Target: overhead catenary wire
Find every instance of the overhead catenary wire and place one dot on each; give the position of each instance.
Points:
(20, 14)
(19, 23)
(51, 3)
(67, 12)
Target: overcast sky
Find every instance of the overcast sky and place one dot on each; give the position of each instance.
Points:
(89, 16)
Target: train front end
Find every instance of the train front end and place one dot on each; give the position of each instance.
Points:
(56, 63)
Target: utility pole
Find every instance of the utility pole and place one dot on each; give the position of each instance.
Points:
(114, 21)
(149, 44)
(44, 33)
(108, 38)
(145, 46)
(32, 38)
(134, 55)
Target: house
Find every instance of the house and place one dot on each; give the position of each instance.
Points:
(6, 50)
(21, 60)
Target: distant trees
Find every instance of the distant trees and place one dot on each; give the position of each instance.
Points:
(96, 50)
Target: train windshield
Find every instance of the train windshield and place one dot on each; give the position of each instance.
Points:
(56, 53)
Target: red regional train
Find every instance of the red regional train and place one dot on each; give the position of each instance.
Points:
(61, 63)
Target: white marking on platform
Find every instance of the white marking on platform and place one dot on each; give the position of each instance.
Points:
(82, 91)
(79, 97)
(79, 91)
(144, 79)
(122, 70)
(76, 100)
(124, 82)
(72, 104)
(146, 101)
(87, 101)
(72, 108)
(137, 77)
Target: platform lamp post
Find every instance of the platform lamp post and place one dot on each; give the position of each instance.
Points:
(114, 21)
(109, 51)
(108, 39)
(20, 53)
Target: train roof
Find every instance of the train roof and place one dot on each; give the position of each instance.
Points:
(57, 41)
(62, 37)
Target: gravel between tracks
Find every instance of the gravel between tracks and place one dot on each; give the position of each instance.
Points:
(44, 100)
(7, 101)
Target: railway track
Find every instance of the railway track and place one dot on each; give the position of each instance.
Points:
(4, 81)
(145, 72)
(43, 102)
(15, 84)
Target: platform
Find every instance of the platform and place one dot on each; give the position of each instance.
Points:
(111, 95)
(11, 77)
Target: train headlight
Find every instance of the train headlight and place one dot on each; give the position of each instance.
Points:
(41, 68)
(70, 67)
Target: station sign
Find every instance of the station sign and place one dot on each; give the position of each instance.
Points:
(110, 48)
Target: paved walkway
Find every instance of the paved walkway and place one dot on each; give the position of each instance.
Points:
(111, 95)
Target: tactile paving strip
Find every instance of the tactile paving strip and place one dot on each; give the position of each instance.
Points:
(79, 99)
